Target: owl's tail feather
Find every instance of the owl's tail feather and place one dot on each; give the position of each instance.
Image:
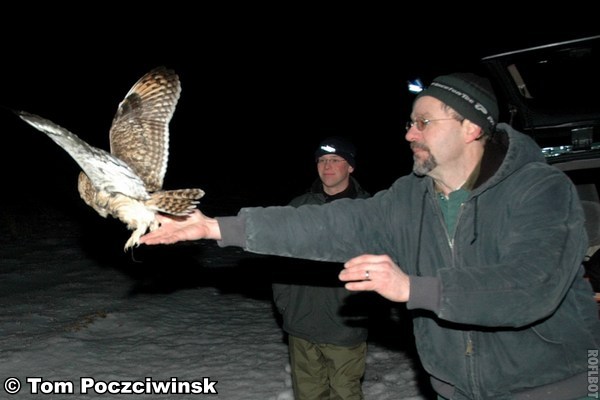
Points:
(175, 202)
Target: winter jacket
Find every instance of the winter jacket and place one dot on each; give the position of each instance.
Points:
(321, 310)
(501, 309)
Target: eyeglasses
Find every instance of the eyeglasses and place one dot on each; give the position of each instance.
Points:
(334, 161)
(421, 124)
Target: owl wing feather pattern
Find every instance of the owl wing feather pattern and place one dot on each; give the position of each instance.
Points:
(99, 165)
(126, 183)
(139, 134)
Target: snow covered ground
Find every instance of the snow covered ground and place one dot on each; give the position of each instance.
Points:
(80, 316)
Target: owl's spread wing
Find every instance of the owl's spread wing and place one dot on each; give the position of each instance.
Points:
(139, 134)
(105, 171)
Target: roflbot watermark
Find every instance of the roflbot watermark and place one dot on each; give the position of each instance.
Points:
(593, 373)
(88, 385)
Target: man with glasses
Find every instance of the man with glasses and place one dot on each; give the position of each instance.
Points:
(326, 336)
(484, 241)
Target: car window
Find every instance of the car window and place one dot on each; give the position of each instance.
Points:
(551, 93)
(561, 80)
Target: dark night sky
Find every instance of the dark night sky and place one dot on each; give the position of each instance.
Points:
(256, 99)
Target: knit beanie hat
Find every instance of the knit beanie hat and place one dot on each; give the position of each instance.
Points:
(339, 146)
(470, 95)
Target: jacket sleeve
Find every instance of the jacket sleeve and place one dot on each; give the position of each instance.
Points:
(281, 296)
(333, 232)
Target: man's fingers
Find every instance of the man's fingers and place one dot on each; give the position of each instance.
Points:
(360, 273)
(360, 285)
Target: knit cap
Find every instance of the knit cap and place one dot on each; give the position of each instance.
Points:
(472, 96)
(339, 146)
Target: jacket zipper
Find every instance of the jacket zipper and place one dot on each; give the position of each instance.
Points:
(451, 239)
(469, 350)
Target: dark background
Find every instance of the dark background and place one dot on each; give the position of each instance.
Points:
(258, 94)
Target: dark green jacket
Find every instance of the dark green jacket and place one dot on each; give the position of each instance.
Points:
(501, 308)
(321, 310)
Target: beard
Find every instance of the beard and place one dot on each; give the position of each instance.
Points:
(422, 167)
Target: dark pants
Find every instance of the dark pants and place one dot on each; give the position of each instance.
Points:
(325, 371)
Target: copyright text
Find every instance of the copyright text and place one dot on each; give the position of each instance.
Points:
(88, 385)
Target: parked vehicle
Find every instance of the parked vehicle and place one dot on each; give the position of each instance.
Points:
(552, 92)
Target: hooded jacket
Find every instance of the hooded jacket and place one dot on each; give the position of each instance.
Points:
(321, 310)
(501, 309)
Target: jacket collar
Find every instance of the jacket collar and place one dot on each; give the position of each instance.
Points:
(350, 192)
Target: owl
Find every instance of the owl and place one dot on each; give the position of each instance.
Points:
(126, 183)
